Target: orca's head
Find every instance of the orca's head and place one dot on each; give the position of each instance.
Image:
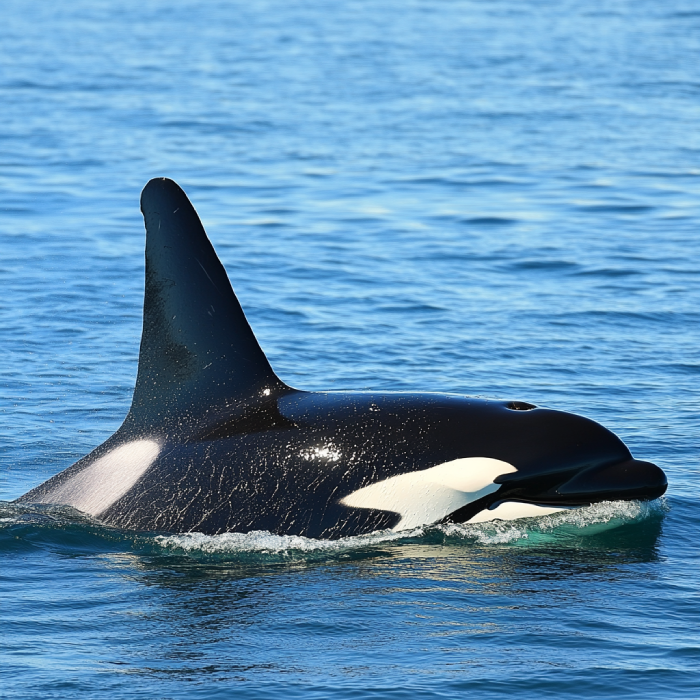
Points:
(563, 459)
(490, 459)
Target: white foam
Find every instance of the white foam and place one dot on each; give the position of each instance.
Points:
(583, 521)
(93, 489)
(579, 521)
(267, 543)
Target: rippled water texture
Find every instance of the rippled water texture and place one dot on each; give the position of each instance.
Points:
(490, 198)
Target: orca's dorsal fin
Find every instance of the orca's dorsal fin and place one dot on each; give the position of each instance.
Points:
(198, 353)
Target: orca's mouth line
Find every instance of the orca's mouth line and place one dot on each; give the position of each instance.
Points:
(627, 480)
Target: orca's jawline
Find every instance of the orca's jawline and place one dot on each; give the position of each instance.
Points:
(215, 442)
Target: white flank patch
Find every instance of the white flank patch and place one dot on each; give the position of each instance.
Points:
(424, 497)
(510, 510)
(108, 478)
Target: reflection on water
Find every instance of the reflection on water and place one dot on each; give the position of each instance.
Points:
(442, 584)
(233, 608)
(612, 531)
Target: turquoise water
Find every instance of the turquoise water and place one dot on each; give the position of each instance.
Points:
(497, 199)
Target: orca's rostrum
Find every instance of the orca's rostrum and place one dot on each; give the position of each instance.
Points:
(215, 442)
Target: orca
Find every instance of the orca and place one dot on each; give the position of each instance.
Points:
(215, 442)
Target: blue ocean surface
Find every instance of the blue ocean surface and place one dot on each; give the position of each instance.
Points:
(497, 199)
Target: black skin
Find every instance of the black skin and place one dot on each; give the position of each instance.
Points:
(283, 463)
(241, 450)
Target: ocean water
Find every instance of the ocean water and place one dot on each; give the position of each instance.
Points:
(498, 199)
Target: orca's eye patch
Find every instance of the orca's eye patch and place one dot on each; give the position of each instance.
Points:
(519, 406)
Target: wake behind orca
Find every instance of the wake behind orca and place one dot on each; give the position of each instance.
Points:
(215, 442)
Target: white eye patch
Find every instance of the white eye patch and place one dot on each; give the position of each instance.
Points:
(429, 495)
(107, 479)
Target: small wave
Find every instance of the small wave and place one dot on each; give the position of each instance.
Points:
(578, 522)
(545, 265)
(584, 521)
(263, 542)
(59, 526)
(489, 221)
(41, 514)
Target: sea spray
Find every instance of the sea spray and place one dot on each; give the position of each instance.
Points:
(583, 521)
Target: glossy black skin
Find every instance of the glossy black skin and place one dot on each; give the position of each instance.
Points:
(242, 451)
